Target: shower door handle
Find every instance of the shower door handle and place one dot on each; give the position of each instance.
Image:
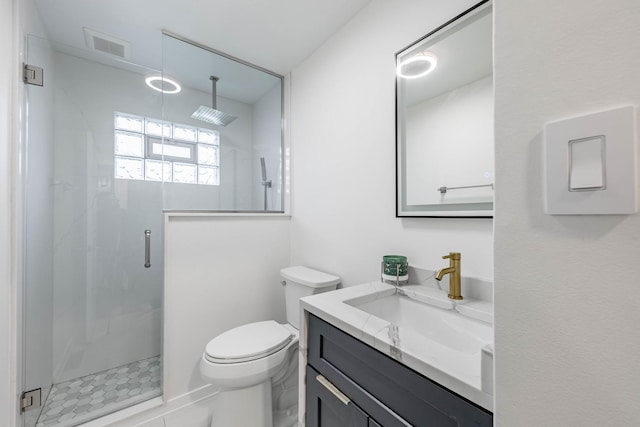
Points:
(147, 248)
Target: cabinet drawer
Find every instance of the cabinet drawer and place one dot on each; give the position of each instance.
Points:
(324, 409)
(385, 389)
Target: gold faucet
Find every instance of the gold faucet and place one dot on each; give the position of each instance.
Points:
(455, 291)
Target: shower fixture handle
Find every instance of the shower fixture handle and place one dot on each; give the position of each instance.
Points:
(147, 248)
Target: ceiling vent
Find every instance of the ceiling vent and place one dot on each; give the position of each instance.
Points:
(107, 44)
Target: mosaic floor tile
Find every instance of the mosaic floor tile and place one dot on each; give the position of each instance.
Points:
(79, 400)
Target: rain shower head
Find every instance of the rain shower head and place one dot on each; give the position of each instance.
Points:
(210, 114)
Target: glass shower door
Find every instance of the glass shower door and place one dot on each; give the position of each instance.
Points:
(93, 238)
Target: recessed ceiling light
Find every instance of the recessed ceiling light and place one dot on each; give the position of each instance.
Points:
(163, 84)
(418, 65)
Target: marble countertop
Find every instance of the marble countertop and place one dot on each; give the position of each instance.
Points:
(459, 371)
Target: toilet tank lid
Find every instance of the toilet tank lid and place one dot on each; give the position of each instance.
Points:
(309, 277)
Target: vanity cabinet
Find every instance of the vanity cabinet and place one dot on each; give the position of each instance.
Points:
(352, 384)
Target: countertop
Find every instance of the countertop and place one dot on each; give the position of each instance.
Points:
(458, 371)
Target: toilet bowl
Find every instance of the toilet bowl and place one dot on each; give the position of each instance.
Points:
(255, 365)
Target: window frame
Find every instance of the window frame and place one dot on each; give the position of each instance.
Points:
(149, 154)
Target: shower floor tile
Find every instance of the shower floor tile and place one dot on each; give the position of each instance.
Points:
(79, 400)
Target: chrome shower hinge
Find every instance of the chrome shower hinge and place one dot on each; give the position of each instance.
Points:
(33, 75)
(31, 399)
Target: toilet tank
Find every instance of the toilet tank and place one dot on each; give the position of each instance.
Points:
(301, 282)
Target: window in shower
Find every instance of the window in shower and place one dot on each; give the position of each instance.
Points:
(155, 150)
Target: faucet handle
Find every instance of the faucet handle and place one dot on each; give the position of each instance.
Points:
(452, 255)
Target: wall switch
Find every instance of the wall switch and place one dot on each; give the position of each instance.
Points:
(586, 164)
(590, 164)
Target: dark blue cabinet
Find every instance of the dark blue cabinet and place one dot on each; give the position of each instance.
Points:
(380, 390)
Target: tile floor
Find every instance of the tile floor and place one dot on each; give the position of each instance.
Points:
(79, 400)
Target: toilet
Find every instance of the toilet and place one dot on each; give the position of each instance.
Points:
(256, 365)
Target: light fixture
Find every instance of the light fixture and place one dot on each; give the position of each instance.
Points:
(163, 84)
(418, 65)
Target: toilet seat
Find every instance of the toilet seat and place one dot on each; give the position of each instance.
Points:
(235, 373)
(248, 342)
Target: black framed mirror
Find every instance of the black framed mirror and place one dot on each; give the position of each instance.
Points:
(444, 120)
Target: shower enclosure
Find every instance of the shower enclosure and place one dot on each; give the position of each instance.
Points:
(105, 155)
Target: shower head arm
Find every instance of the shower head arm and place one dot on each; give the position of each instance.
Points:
(214, 81)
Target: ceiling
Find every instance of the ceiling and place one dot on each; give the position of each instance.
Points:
(276, 34)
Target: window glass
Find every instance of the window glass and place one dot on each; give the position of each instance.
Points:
(207, 154)
(128, 168)
(132, 123)
(129, 144)
(156, 170)
(152, 150)
(158, 128)
(185, 133)
(171, 150)
(208, 175)
(185, 173)
(207, 137)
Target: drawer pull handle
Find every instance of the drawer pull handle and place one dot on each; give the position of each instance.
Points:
(333, 389)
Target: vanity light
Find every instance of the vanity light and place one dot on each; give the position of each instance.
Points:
(418, 65)
(163, 84)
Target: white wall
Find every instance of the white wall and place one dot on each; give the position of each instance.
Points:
(567, 300)
(7, 119)
(343, 153)
(220, 272)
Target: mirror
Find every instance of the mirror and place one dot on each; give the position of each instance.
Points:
(444, 120)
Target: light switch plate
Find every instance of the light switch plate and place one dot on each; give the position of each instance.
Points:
(571, 182)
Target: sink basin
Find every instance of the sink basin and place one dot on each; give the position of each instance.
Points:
(444, 327)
